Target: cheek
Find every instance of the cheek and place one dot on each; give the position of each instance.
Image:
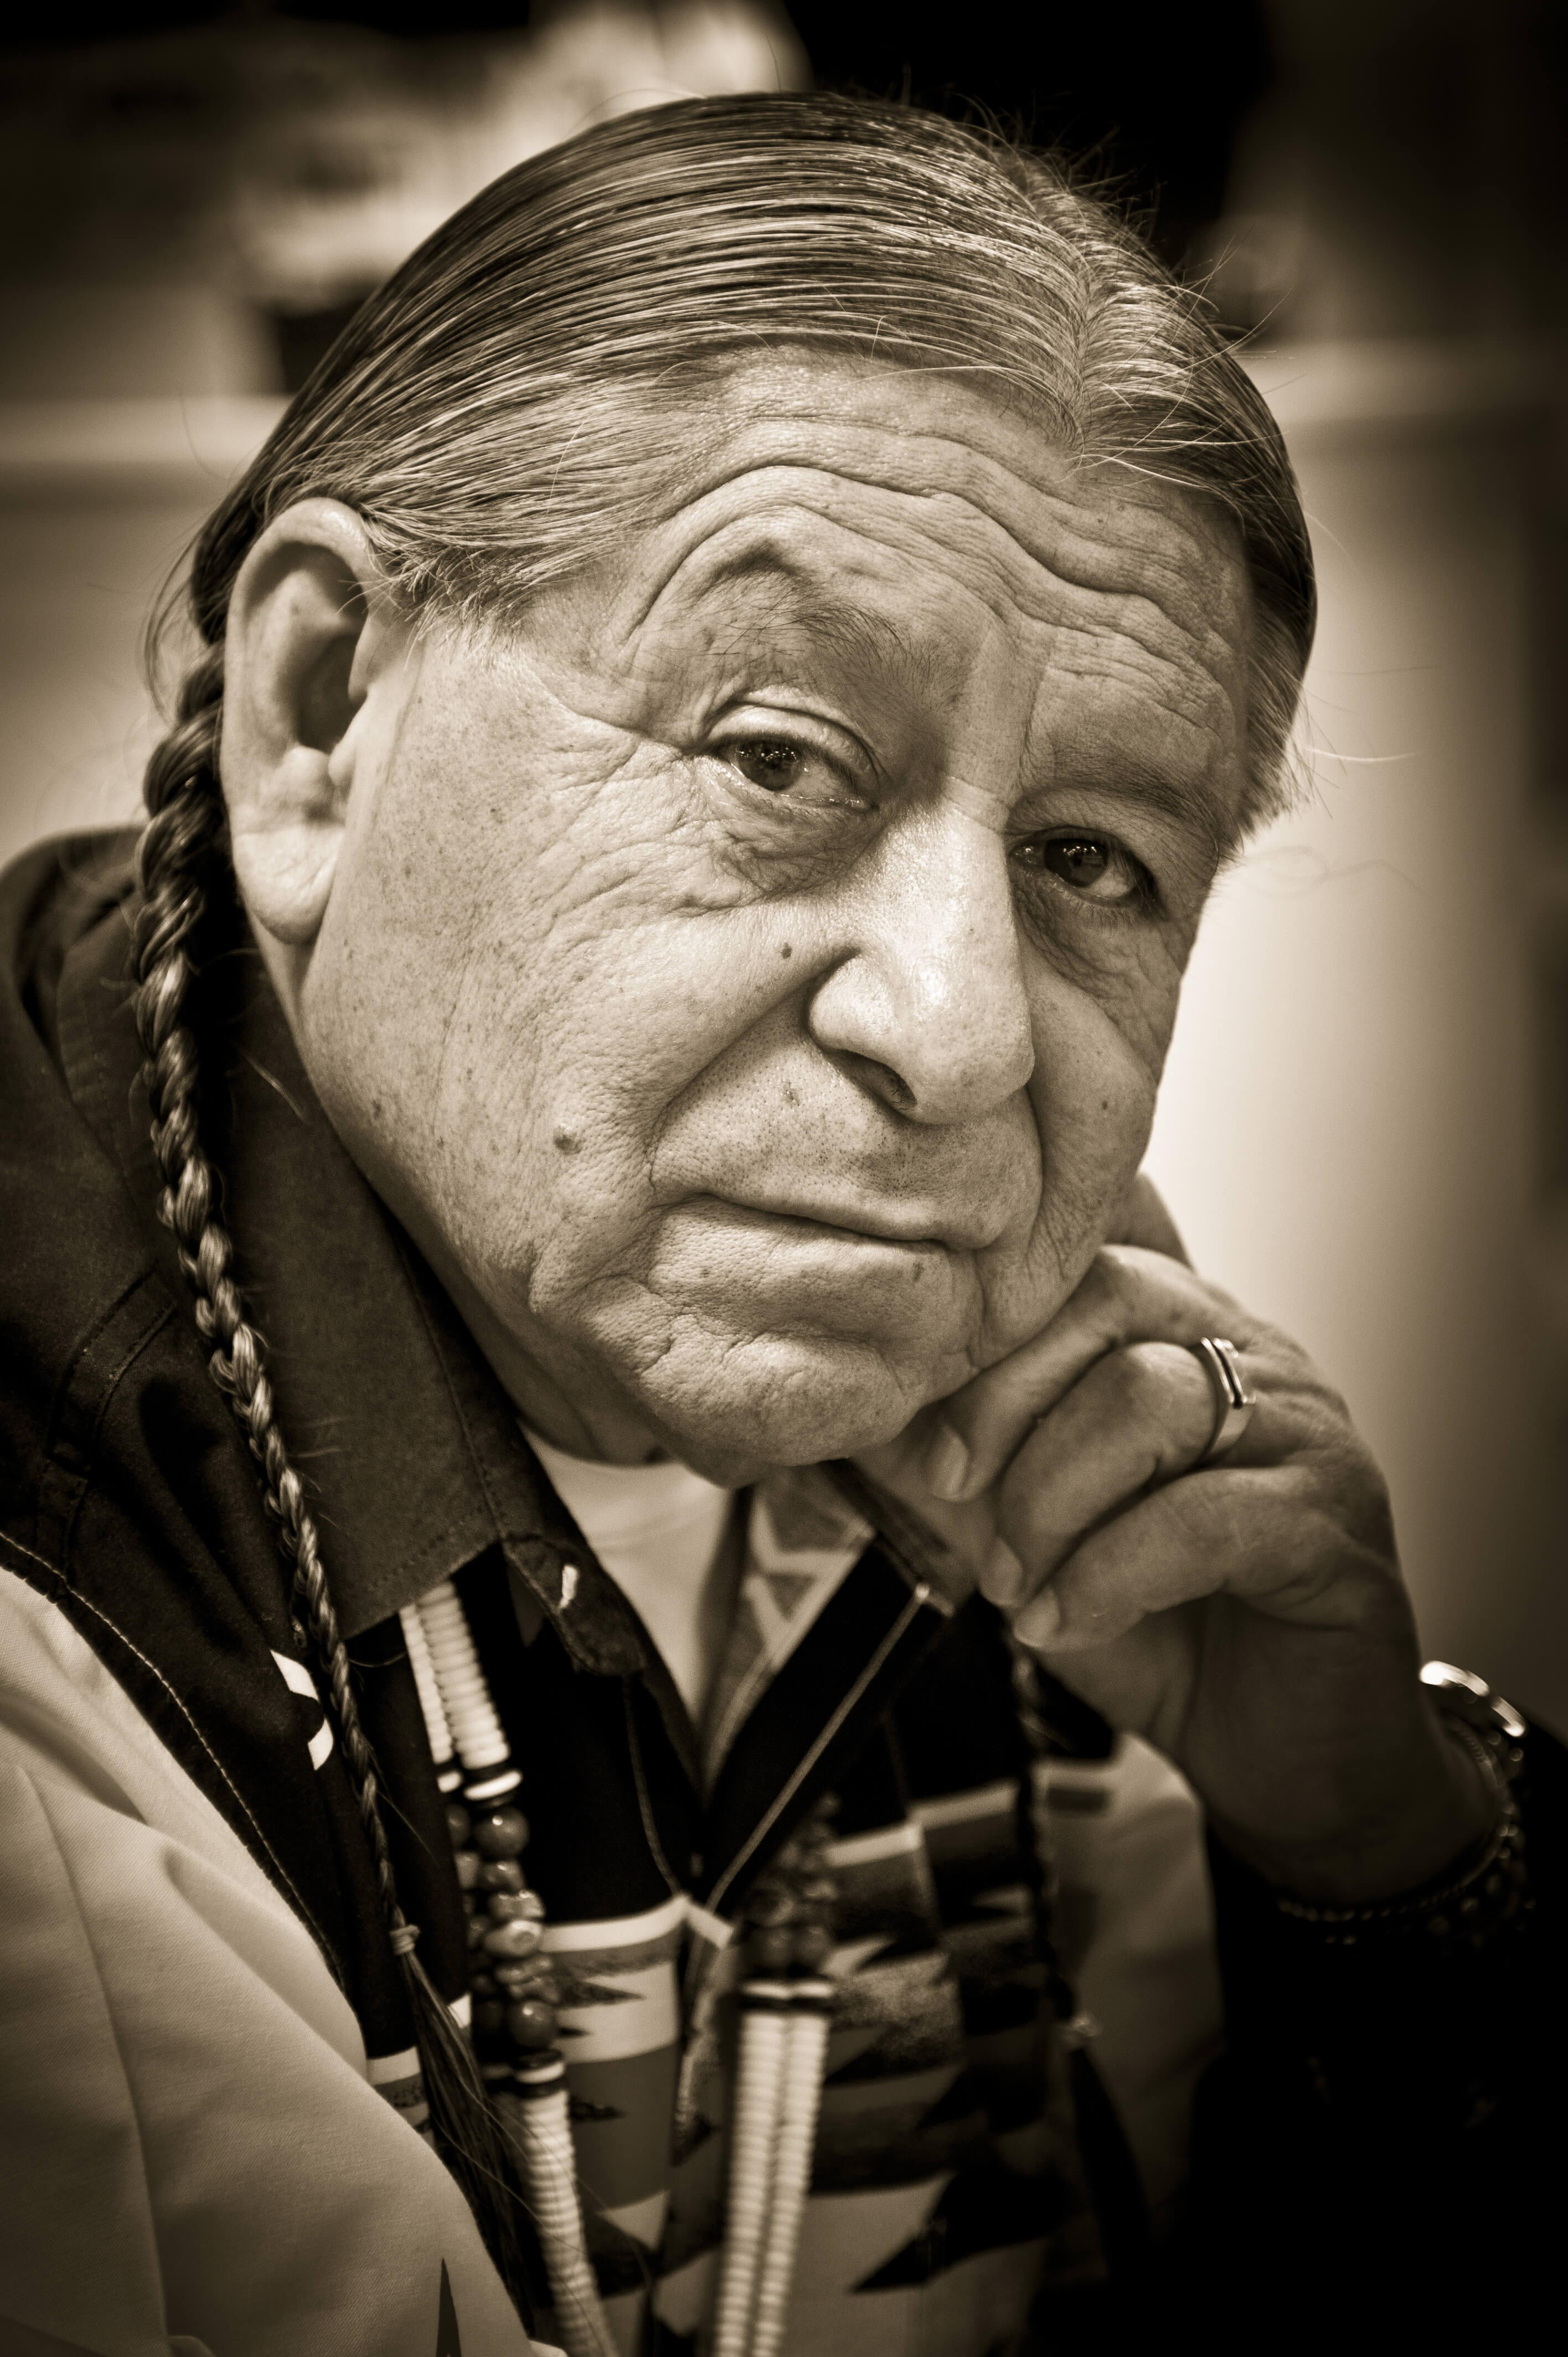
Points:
(1093, 1093)
(550, 1008)
(1098, 1054)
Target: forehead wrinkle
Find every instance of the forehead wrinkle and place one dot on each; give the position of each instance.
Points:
(1119, 669)
(987, 560)
(1139, 546)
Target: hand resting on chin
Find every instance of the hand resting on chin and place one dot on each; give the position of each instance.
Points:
(1247, 1615)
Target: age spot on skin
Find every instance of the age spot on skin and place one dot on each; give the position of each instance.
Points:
(566, 1141)
(787, 950)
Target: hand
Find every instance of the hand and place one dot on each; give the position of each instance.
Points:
(1247, 1616)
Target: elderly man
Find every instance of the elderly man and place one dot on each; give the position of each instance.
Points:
(634, 1566)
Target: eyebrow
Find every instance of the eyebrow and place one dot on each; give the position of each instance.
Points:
(1190, 803)
(850, 628)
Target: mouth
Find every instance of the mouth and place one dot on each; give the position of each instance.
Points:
(913, 1232)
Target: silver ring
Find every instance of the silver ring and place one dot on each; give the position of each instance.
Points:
(1234, 1399)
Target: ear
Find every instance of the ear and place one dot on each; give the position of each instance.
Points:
(309, 630)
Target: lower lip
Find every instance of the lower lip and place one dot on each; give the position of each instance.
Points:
(794, 1227)
(789, 1274)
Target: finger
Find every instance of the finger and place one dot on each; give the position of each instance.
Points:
(1139, 1416)
(1262, 1534)
(1129, 1295)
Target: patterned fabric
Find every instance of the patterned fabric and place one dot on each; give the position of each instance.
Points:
(948, 2195)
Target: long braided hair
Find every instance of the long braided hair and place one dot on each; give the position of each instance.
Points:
(519, 393)
(180, 863)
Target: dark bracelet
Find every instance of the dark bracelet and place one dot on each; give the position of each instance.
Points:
(1487, 1890)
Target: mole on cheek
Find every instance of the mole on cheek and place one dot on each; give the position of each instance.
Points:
(566, 1141)
(786, 950)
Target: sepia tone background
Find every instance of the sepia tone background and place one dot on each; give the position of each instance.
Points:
(1364, 1129)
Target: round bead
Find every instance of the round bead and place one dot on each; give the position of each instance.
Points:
(500, 1874)
(458, 1825)
(528, 1977)
(480, 1985)
(770, 1951)
(510, 1907)
(466, 1862)
(811, 1946)
(501, 1833)
(490, 2017)
(533, 2025)
(512, 1940)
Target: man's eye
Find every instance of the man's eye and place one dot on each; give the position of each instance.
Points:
(781, 767)
(1093, 867)
(769, 762)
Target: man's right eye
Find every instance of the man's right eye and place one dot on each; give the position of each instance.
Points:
(782, 766)
(769, 761)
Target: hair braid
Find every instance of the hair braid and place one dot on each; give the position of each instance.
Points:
(178, 859)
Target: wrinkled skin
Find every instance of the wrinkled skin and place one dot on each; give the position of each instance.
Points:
(750, 981)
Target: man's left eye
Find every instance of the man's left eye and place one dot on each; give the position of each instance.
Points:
(1093, 867)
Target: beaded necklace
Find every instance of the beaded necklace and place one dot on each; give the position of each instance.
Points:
(512, 1987)
(785, 2002)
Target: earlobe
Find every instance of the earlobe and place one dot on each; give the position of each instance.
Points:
(307, 615)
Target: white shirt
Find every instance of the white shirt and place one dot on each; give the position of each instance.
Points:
(658, 1531)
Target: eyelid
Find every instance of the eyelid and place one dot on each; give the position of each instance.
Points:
(787, 724)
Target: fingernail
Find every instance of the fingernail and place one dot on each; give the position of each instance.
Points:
(1042, 1623)
(947, 1464)
(1002, 1575)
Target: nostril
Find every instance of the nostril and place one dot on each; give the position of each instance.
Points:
(880, 1079)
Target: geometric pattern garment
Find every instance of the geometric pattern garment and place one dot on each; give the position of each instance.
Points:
(947, 2190)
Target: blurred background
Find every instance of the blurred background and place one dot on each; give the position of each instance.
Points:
(1364, 1130)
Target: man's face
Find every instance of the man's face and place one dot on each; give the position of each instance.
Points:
(751, 980)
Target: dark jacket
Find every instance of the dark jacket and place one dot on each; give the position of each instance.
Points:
(1343, 2122)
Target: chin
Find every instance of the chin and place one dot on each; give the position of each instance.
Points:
(769, 1400)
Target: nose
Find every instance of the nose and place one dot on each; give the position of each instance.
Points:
(929, 1009)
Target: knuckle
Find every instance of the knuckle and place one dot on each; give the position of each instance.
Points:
(1147, 1381)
